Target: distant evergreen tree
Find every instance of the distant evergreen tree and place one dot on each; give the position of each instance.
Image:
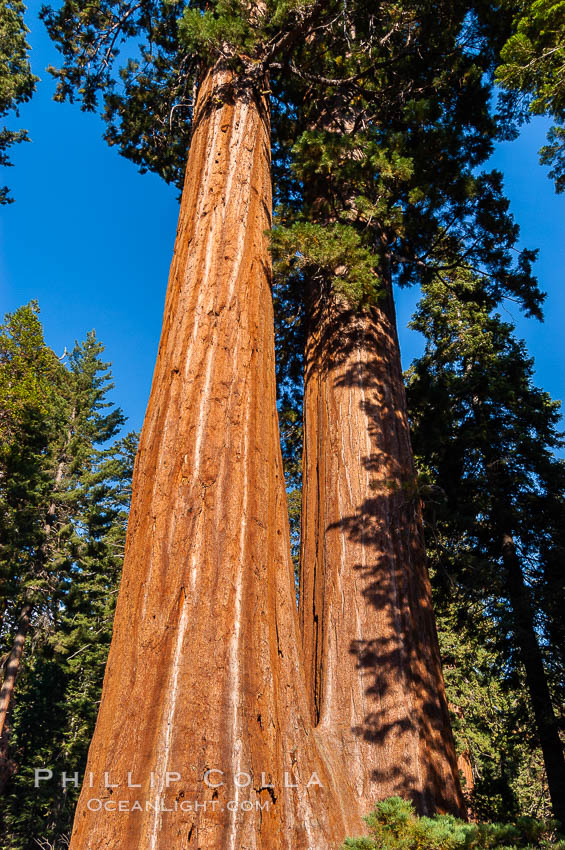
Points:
(17, 83)
(532, 71)
(486, 437)
(31, 418)
(495, 733)
(65, 497)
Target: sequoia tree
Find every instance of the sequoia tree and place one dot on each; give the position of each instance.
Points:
(207, 565)
(213, 392)
(377, 208)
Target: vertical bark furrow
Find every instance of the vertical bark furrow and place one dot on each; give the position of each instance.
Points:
(205, 670)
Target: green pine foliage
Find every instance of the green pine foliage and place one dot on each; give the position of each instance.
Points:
(532, 67)
(485, 438)
(477, 379)
(58, 692)
(381, 157)
(225, 28)
(65, 481)
(393, 825)
(490, 712)
(334, 252)
(17, 83)
(33, 411)
(27, 369)
(141, 64)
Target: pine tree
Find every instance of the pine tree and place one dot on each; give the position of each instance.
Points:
(17, 83)
(58, 691)
(488, 434)
(31, 417)
(532, 72)
(223, 454)
(497, 745)
(55, 482)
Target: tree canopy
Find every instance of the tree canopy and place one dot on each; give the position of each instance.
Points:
(17, 83)
(532, 70)
(486, 439)
(383, 118)
(64, 497)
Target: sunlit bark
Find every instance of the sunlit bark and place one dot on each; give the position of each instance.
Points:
(205, 672)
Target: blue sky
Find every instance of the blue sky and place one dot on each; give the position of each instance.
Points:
(92, 239)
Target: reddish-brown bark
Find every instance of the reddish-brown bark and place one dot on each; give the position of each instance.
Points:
(10, 668)
(370, 644)
(12, 665)
(465, 766)
(205, 671)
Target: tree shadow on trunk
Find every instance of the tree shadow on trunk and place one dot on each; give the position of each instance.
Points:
(371, 558)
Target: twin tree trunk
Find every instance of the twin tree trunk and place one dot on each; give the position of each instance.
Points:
(205, 672)
(370, 644)
(204, 683)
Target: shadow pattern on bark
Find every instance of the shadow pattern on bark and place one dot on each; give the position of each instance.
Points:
(370, 642)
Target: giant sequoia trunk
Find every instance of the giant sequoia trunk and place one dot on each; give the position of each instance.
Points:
(371, 651)
(204, 672)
